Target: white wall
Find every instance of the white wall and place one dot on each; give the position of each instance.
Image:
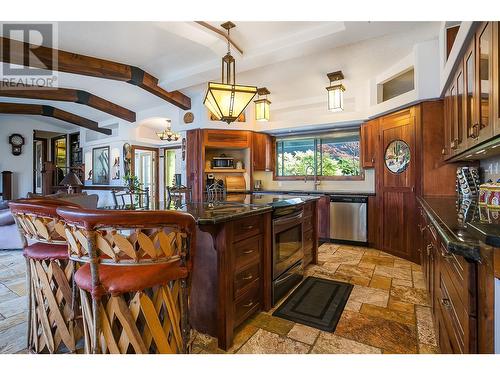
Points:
(22, 165)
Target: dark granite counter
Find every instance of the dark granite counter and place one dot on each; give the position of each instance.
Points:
(463, 224)
(234, 207)
(316, 192)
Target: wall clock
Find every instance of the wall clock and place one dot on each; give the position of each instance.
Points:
(188, 117)
(17, 142)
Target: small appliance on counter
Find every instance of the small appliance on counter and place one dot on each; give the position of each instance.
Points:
(467, 181)
(257, 185)
(223, 162)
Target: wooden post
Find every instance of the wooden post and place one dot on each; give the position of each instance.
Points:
(7, 185)
(48, 170)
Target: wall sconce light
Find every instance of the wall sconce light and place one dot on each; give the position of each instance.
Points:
(335, 92)
(262, 105)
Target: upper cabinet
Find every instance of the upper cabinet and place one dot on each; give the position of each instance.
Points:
(227, 138)
(470, 109)
(262, 152)
(369, 141)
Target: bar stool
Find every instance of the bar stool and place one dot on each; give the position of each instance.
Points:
(52, 321)
(134, 284)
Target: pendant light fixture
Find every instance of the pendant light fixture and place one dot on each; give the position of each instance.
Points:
(262, 105)
(226, 100)
(168, 134)
(335, 92)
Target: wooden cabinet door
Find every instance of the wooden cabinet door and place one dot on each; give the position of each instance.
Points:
(262, 152)
(324, 217)
(397, 189)
(469, 66)
(369, 140)
(227, 138)
(496, 77)
(459, 125)
(484, 82)
(448, 124)
(453, 117)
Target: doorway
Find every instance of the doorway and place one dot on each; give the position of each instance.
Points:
(145, 168)
(40, 156)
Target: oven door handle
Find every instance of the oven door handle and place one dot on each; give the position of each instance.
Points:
(288, 219)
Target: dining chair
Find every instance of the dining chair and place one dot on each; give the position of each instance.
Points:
(54, 324)
(137, 198)
(135, 280)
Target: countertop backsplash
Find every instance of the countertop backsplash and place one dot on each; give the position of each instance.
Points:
(366, 185)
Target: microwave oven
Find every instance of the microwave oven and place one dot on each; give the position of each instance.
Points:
(223, 162)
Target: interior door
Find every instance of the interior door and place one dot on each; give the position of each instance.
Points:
(145, 167)
(396, 180)
(39, 157)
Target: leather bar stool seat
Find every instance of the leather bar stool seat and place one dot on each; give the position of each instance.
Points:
(46, 251)
(116, 280)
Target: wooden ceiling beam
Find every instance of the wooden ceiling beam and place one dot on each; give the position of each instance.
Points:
(49, 111)
(74, 63)
(68, 95)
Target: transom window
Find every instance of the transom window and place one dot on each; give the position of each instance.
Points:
(335, 155)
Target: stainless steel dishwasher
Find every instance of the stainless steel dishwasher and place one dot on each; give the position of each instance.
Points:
(348, 219)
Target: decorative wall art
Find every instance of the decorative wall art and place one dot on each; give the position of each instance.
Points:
(127, 158)
(100, 165)
(397, 156)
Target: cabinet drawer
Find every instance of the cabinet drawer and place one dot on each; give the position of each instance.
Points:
(245, 277)
(455, 317)
(247, 251)
(462, 276)
(247, 227)
(308, 238)
(247, 304)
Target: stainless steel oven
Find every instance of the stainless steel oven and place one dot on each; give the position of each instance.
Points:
(288, 251)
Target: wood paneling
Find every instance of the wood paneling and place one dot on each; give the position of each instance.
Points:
(324, 217)
(227, 138)
(262, 152)
(68, 62)
(195, 162)
(451, 34)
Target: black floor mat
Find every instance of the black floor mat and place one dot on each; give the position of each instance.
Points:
(316, 303)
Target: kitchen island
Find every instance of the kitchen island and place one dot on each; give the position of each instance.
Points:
(233, 262)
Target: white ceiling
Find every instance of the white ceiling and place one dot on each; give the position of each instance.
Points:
(185, 55)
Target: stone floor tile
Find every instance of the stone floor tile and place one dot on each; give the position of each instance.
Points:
(12, 321)
(378, 260)
(352, 305)
(410, 295)
(390, 336)
(329, 343)
(18, 287)
(13, 306)
(425, 326)
(241, 336)
(370, 266)
(428, 349)
(380, 282)
(349, 270)
(330, 267)
(402, 263)
(13, 339)
(304, 334)
(360, 280)
(272, 323)
(204, 342)
(395, 273)
(264, 342)
(386, 313)
(402, 282)
(373, 296)
(396, 304)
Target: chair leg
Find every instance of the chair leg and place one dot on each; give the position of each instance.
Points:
(185, 327)
(29, 291)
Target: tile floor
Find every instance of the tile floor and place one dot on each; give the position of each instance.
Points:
(388, 310)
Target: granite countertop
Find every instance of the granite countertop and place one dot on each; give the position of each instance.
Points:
(317, 192)
(235, 206)
(453, 220)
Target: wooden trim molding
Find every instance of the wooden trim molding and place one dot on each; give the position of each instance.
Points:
(48, 111)
(68, 95)
(68, 62)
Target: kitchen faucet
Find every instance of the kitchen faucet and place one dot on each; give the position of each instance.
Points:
(316, 182)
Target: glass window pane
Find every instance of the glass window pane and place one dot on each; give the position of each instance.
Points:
(340, 155)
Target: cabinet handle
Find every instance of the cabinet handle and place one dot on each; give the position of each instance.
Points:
(249, 304)
(422, 229)
(475, 131)
(446, 303)
(248, 227)
(443, 151)
(248, 277)
(373, 160)
(248, 251)
(429, 248)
